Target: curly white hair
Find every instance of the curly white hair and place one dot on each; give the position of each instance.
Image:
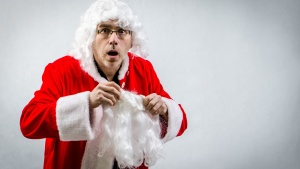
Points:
(102, 11)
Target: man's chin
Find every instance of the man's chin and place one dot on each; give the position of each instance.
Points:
(111, 65)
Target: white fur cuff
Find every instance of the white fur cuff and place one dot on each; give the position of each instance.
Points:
(174, 121)
(73, 117)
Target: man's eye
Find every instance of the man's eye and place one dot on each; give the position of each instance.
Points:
(121, 31)
(105, 30)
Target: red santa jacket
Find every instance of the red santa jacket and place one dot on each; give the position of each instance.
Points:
(59, 111)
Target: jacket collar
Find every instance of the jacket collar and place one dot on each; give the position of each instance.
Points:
(88, 65)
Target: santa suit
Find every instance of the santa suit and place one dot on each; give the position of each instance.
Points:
(60, 110)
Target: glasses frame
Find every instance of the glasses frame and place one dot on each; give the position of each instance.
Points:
(110, 32)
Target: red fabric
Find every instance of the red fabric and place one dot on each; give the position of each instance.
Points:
(65, 77)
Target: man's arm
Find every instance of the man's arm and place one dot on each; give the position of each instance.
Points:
(55, 113)
(167, 108)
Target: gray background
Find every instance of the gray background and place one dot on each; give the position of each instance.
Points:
(233, 64)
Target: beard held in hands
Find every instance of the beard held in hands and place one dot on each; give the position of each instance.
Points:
(129, 133)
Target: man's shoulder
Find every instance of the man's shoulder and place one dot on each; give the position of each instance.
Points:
(63, 64)
(66, 60)
(138, 61)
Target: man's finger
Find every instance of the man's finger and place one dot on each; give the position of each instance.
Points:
(111, 89)
(106, 100)
(110, 97)
(153, 102)
(148, 99)
(155, 109)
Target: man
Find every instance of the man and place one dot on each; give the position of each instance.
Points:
(69, 109)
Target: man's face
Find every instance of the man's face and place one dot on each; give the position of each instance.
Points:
(111, 45)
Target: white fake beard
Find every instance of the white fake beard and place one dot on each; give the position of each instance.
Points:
(129, 133)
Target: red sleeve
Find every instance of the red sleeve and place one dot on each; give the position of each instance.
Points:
(156, 87)
(184, 122)
(38, 119)
(154, 83)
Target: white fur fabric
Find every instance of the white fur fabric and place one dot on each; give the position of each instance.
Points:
(127, 133)
(73, 117)
(174, 121)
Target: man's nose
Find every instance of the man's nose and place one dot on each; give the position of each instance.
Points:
(113, 39)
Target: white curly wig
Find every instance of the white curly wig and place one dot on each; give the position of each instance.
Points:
(102, 11)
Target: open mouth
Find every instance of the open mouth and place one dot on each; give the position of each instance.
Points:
(112, 53)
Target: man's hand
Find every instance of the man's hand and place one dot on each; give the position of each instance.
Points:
(155, 105)
(105, 93)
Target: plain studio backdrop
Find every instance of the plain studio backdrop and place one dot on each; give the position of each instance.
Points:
(233, 64)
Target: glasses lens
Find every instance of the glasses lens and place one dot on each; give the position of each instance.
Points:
(121, 33)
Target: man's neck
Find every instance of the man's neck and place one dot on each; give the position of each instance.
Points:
(108, 73)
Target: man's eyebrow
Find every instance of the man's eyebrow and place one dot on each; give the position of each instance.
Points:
(103, 25)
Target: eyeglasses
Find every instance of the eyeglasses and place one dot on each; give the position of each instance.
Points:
(121, 33)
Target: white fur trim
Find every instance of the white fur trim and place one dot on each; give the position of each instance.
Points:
(73, 117)
(124, 68)
(91, 159)
(174, 121)
(88, 65)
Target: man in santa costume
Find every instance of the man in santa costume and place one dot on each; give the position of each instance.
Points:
(85, 105)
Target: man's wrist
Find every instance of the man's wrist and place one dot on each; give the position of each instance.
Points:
(165, 116)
